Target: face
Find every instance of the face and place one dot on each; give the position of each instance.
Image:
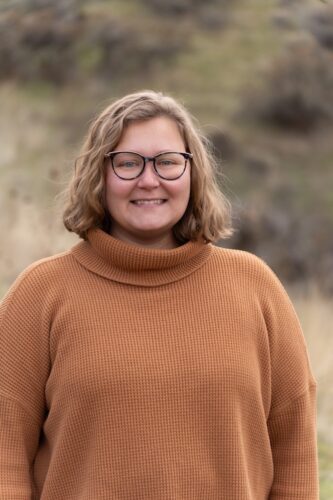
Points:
(144, 210)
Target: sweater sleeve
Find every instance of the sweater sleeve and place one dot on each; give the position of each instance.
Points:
(293, 440)
(24, 367)
(292, 418)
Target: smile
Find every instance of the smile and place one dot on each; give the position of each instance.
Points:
(148, 202)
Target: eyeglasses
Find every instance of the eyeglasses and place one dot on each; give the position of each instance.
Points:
(128, 165)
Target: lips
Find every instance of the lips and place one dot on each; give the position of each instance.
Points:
(155, 201)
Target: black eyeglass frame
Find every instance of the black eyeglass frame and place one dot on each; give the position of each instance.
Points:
(147, 159)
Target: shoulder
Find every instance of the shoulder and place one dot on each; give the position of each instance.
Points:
(249, 275)
(252, 278)
(239, 264)
(48, 266)
(41, 276)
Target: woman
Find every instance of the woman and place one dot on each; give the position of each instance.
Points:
(146, 363)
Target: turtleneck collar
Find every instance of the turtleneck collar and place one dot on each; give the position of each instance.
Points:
(137, 265)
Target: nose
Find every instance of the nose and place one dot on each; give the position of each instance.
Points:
(148, 178)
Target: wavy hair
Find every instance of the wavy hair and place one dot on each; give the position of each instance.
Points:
(208, 213)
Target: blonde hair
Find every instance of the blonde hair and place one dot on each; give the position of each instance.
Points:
(208, 213)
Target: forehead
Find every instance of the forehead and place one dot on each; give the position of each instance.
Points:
(152, 136)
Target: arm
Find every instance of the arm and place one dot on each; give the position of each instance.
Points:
(19, 434)
(24, 366)
(292, 433)
(292, 419)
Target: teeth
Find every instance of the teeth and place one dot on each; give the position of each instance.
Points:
(148, 202)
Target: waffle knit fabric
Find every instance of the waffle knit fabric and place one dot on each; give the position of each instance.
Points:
(131, 373)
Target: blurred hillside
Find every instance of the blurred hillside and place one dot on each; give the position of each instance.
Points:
(257, 74)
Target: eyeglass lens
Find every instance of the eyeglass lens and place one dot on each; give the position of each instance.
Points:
(168, 165)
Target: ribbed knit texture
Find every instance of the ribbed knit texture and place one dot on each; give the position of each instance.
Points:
(137, 374)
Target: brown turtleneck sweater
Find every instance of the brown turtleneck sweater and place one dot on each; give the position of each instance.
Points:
(136, 374)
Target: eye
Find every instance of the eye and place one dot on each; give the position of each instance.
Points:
(166, 162)
(127, 161)
(128, 164)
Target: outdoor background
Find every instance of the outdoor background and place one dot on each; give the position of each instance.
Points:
(257, 74)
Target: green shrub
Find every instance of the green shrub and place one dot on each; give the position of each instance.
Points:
(320, 23)
(296, 91)
(59, 42)
(174, 7)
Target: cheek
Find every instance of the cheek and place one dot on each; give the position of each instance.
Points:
(183, 189)
(116, 188)
(116, 194)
